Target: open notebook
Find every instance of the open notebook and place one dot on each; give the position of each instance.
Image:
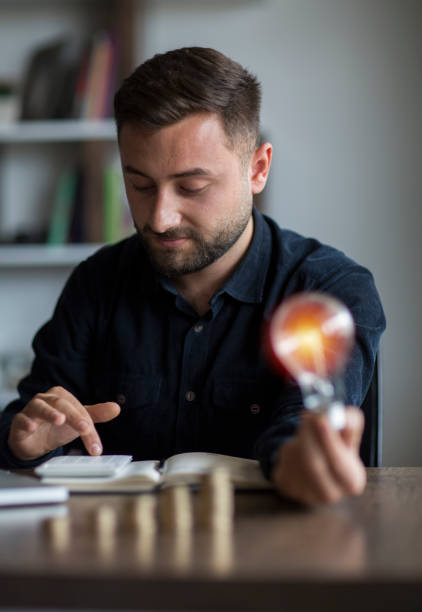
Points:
(18, 490)
(185, 468)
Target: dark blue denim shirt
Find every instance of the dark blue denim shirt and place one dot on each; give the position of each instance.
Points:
(184, 382)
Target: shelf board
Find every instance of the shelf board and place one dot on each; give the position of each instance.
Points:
(41, 255)
(59, 130)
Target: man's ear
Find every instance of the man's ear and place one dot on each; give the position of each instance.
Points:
(260, 166)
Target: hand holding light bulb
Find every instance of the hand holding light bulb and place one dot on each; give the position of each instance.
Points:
(311, 336)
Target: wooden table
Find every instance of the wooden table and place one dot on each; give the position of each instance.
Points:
(362, 554)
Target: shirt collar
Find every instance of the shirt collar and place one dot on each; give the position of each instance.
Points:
(246, 284)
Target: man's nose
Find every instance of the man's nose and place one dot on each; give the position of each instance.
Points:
(165, 213)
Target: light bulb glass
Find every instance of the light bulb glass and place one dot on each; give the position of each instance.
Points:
(311, 336)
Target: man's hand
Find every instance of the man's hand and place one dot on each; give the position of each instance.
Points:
(55, 418)
(322, 465)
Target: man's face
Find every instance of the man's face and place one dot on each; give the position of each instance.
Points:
(188, 192)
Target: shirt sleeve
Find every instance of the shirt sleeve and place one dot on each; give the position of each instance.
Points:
(284, 422)
(62, 349)
(354, 286)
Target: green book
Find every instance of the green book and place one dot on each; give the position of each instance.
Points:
(61, 214)
(112, 204)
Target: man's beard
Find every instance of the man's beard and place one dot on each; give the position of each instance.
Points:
(172, 263)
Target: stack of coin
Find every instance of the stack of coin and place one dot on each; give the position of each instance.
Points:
(140, 514)
(216, 500)
(175, 508)
(57, 532)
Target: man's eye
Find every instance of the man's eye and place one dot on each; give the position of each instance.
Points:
(144, 188)
(190, 191)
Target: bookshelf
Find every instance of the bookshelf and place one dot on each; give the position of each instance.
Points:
(55, 143)
(64, 130)
(56, 132)
(40, 256)
(49, 44)
(34, 154)
(62, 59)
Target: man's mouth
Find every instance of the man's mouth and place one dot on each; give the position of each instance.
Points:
(170, 242)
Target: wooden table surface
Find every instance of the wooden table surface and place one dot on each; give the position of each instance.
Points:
(362, 554)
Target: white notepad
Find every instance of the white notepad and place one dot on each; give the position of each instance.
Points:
(18, 490)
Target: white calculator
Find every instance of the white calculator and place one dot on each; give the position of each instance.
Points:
(81, 466)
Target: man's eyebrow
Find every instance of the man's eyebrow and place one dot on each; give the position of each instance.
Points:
(191, 172)
(131, 170)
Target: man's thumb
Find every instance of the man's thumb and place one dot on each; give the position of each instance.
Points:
(101, 413)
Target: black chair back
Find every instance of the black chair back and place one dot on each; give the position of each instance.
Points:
(371, 446)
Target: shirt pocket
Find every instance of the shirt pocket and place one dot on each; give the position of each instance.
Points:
(138, 396)
(130, 391)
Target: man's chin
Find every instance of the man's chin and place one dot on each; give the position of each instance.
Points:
(167, 264)
(177, 267)
(191, 256)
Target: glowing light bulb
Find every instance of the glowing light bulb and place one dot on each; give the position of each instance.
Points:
(311, 336)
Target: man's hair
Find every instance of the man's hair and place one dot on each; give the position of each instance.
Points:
(171, 86)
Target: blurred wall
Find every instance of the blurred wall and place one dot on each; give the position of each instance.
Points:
(342, 83)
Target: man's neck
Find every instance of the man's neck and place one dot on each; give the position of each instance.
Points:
(198, 288)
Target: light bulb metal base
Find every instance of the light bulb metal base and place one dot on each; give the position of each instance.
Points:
(319, 395)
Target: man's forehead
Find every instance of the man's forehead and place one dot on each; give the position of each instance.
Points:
(199, 129)
(184, 173)
(196, 145)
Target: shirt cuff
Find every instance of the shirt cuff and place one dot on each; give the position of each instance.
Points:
(9, 461)
(268, 461)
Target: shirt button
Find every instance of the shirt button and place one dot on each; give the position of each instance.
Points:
(255, 408)
(198, 328)
(190, 396)
(120, 398)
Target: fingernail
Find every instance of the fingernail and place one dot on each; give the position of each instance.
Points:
(96, 449)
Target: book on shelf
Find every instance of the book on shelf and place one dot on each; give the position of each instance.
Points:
(117, 222)
(50, 79)
(89, 205)
(77, 230)
(61, 214)
(100, 78)
(70, 77)
(184, 468)
(93, 192)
